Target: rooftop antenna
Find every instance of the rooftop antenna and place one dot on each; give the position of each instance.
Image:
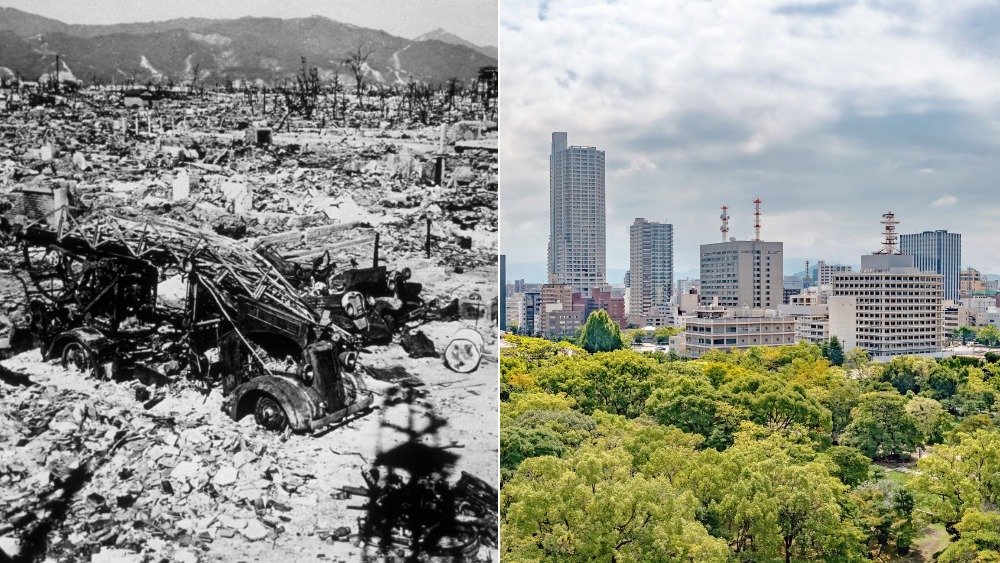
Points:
(889, 245)
(756, 217)
(725, 222)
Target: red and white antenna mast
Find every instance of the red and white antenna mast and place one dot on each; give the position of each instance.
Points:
(725, 223)
(889, 243)
(756, 219)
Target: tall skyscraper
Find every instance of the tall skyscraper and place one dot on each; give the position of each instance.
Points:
(651, 273)
(577, 241)
(939, 252)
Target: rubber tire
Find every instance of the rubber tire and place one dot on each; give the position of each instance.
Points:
(269, 414)
(73, 353)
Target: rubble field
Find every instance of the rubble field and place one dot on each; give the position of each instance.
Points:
(101, 470)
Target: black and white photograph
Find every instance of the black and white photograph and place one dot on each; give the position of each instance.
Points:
(248, 281)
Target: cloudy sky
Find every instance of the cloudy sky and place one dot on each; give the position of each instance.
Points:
(831, 112)
(473, 20)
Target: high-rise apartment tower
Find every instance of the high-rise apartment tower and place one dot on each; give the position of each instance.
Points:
(651, 271)
(577, 238)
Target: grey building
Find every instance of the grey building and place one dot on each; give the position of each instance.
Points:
(825, 272)
(577, 237)
(503, 292)
(742, 273)
(939, 252)
(651, 269)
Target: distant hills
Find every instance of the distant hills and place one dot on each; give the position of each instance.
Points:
(246, 48)
(440, 34)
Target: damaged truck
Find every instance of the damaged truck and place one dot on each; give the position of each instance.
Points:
(94, 304)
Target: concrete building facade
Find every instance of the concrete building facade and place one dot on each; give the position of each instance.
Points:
(939, 252)
(651, 271)
(889, 308)
(577, 237)
(556, 315)
(826, 271)
(742, 273)
(715, 328)
(970, 281)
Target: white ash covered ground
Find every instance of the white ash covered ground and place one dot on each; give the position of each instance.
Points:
(94, 470)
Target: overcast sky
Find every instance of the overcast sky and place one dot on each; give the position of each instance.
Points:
(473, 20)
(831, 112)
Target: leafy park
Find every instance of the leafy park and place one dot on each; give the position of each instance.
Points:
(794, 453)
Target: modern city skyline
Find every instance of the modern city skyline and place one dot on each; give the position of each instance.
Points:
(577, 237)
(845, 121)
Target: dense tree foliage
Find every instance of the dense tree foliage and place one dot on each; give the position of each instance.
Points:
(757, 455)
(833, 351)
(989, 335)
(601, 333)
(979, 539)
(881, 428)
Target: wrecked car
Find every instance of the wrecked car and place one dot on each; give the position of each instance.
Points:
(93, 305)
(371, 302)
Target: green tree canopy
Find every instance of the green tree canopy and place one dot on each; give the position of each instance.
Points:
(978, 541)
(776, 403)
(594, 507)
(617, 382)
(883, 509)
(989, 335)
(881, 428)
(964, 333)
(931, 418)
(833, 351)
(957, 477)
(849, 465)
(601, 334)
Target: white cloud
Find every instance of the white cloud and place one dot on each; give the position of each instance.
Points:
(731, 100)
(637, 166)
(945, 201)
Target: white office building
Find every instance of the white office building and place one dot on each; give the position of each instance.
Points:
(889, 308)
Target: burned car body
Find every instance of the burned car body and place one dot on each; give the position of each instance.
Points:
(370, 302)
(94, 306)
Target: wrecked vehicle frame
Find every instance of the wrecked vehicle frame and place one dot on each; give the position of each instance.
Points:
(94, 306)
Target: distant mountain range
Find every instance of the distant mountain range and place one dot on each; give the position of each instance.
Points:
(246, 48)
(440, 34)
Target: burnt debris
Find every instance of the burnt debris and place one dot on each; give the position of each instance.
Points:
(205, 319)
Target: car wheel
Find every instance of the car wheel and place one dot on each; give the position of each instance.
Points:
(76, 357)
(270, 415)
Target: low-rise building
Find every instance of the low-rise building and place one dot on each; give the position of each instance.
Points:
(954, 315)
(812, 329)
(715, 328)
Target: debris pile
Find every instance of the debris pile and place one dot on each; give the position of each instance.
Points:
(150, 469)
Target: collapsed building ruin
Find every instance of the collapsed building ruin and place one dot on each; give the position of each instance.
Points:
(391, 211)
